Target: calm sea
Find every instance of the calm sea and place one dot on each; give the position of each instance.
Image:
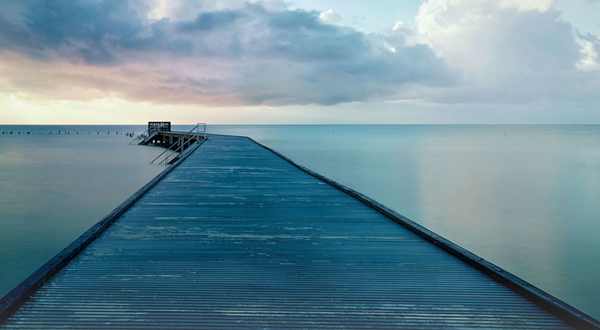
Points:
(524, 197)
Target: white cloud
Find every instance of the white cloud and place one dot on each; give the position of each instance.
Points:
(330, 17)
(401, 26)
(527, 5)
(590, 58)
(507, 52)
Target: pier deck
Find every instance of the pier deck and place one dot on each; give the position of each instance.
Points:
(237, 237)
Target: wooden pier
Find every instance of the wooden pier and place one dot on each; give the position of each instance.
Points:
(234, 235)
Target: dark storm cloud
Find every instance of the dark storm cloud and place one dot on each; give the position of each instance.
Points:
(80, 29)
(210, 21)
(92, 31)
(257, 55)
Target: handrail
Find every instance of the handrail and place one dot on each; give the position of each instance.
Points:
(204, 129)
(145, 136)
(139, 137)
(183, 143)
(169, 147)
(151, 133)
(179, 141)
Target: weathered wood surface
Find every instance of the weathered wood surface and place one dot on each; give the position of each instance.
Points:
(236, 237)
(21, 292)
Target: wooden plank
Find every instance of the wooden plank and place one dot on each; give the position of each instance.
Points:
(10, 302)
(237, 236)
(554, 305)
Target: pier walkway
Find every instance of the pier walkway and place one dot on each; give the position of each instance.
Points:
(237, 237)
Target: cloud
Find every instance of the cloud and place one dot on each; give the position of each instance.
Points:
(242, 53)
(97, 33)
(507, 52)
(330, 17)
(188, 10)
(210, 21)
(539, 5)
(590, 58)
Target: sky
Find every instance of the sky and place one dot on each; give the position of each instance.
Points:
(300, 61)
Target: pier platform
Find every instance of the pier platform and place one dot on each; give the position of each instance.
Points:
(235, 236)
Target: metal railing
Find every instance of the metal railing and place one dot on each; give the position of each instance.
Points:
(203, 129)
(136, 140)
(145, 136)
(151, 133)
(182, 141)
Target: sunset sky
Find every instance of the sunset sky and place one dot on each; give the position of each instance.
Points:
(299, 62)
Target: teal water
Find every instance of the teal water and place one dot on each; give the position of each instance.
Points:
(54, 187)
(523, 197)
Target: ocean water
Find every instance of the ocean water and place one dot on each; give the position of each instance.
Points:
(523, 197)
(53, 187)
